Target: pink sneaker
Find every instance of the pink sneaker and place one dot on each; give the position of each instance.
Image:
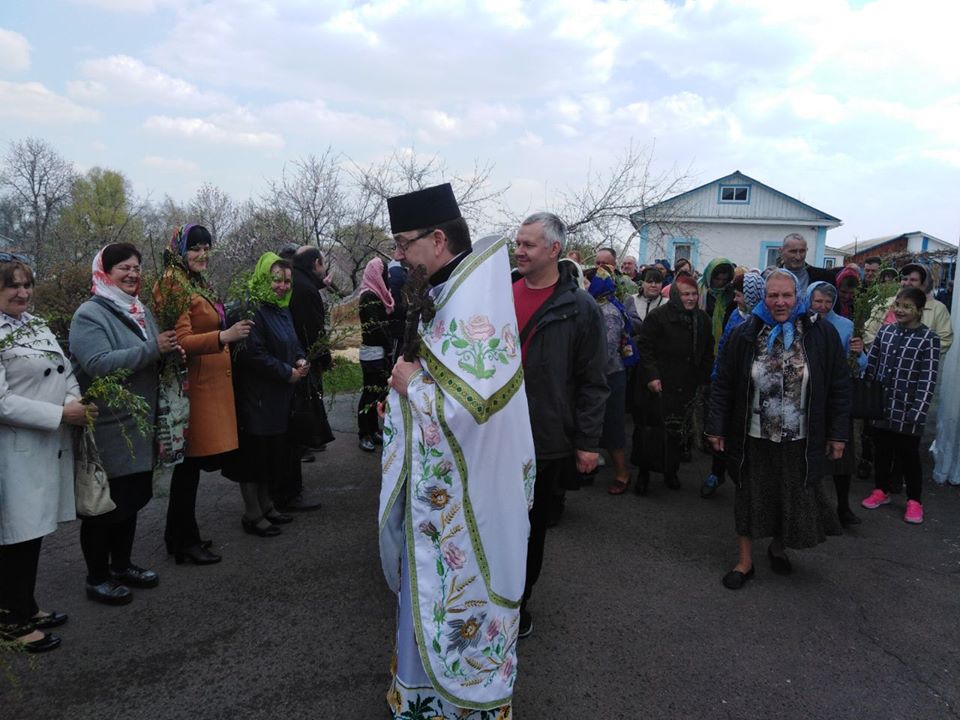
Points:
(877, 498)
(914, 513)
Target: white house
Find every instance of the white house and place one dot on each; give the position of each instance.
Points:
(735, 217)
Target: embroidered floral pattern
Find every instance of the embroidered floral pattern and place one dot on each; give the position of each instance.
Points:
(473, 640)
(475, 344)
(423, 704)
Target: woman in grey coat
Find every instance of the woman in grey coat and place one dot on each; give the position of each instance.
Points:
(39, 399)
(113, 330)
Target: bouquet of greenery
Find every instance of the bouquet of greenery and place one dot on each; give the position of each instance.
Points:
(110, 392)
(868, 301)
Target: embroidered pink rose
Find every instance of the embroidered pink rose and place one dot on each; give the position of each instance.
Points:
(453, 556)
(493, 629)
(509, 340)
(479, 329)
(506, 670)
(439, 328)
(445, 467)
(431, 434)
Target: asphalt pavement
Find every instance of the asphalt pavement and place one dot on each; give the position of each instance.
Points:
(631, 620)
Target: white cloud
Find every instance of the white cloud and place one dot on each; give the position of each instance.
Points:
(14, 51)
(127, 80)
(33, 102)
(193, 128)
(316, 119)
(174, 165)
(130, 6)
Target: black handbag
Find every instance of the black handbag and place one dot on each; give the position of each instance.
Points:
(867, 399)
(309, 426)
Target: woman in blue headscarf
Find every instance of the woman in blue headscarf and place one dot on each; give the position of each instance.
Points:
(779, 407)
(821, 299)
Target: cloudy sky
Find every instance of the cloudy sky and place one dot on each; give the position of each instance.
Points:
(851, 106)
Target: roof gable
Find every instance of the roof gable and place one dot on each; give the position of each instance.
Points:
(708, 202)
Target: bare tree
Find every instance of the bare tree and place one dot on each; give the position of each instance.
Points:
(625, 197)
(310, 191)
(214, 209)
(39, 181)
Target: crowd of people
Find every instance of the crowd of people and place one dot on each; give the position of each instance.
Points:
(757, 367)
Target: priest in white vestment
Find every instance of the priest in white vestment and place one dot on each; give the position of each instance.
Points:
(458, 472)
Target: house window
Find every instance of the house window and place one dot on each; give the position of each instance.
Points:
(773, 256)
(829, 262)
(735, 194)
(682, 251)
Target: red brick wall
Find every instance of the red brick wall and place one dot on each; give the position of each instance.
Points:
(891, 247)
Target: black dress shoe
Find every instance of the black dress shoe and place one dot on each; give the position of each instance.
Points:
(54, 619)
(525, 628)
(734, 580)
(47, 642)
(109, 592)
(300, 503)
(308, 457)
(252, 528)
(780, 564)
(847, 518)
(366, 444)
(197, 554)
(137, 577)
(276, 518)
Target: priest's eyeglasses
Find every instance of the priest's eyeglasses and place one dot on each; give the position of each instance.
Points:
(402, 245)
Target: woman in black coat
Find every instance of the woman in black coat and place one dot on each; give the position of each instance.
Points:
(779, 408)
(376, 345)
(676, 356)
(269, 365)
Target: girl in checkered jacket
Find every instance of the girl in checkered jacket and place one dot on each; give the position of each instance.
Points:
(905, 356)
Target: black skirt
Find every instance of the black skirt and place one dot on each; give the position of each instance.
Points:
(260, 459)
(774, 500)
(129, 493)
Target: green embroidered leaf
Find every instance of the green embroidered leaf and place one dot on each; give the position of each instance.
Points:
(439, 567)
(502, 357)
(436, 646)
(445, 347)
(456, 666)
(494, 342)
(453, 325)
(435, 453)
(461, 344)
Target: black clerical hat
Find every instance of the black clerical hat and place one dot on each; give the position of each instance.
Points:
(423, 209)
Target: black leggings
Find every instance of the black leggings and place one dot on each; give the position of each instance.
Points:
(106, 545)
(904, 450)
(375, 376)
(182, 530)
(18, 579)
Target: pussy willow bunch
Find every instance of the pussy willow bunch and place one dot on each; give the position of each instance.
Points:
(110, 392)
(866, 303)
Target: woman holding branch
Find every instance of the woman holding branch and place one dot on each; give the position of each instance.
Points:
(39, 401)
(114, 331)
(212, 430)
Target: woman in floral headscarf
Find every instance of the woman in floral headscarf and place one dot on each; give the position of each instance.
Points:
(212, 430)
(269, 363)
(779, 407)
(113, 331)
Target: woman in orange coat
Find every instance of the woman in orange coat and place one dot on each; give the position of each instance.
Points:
(212, 430)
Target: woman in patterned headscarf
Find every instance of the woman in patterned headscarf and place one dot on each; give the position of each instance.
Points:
(780, 399)
(212, 429)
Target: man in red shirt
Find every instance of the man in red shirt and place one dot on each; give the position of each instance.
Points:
(564, 358)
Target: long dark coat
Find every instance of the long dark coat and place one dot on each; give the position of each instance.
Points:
(676, 347)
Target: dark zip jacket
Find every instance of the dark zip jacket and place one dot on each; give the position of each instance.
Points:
(828, 393)
(565, 372)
